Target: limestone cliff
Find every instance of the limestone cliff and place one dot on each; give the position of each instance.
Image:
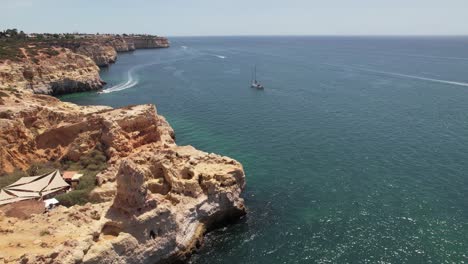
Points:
(148, 42)
(42, 128)
(104, 50)
(102, 55)
(59, 67)
(51, 71)
(121, 45)
(153, 204)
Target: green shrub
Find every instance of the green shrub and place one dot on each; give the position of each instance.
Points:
(39, 168)
(51, 52)
(74, 197)
(10, 178)
(8, 52)
(95, 160)
(89, 165)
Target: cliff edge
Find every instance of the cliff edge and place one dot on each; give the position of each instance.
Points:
(153, 203)
(65, 66)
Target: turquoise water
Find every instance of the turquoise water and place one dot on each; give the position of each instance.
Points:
(356, 151)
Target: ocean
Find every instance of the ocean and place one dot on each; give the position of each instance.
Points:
(356, 151)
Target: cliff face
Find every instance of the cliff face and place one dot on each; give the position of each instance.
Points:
(102, 55)
(148, 42)
(121, 45)
(155, 199)
(104, 50)
(68, 67)
(26, 121)
(42, 128)
(51, 71)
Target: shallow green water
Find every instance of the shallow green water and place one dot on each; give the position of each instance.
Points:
(355, 152)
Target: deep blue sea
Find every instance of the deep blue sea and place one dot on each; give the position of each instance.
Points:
(355, 152)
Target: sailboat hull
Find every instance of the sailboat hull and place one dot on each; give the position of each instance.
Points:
(256, 85)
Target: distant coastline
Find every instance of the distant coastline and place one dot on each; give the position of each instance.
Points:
(63, 63)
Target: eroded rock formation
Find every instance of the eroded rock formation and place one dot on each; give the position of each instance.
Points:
(59, 67)
(147, 42)
(153, 204)
(63, 72)
(42, 128)
(121, 45)
(102, 55)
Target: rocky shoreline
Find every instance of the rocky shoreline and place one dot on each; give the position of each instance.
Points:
(59, 67)
(152, 204)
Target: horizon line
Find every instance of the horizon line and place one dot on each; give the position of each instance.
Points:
(257, 35)
(324, 35)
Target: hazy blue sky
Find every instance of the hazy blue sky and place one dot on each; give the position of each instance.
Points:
(239, 17)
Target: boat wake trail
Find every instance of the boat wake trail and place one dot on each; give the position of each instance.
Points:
(422, 78)
(131, 81)
(122, 86)
(396, 74)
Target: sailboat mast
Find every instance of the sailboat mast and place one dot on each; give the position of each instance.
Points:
(255, 73)
(251, 76)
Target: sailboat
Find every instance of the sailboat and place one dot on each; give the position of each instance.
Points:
(255, 83)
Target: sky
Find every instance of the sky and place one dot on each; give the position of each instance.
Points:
(238, 17)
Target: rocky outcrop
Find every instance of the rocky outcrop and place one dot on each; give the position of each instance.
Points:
(62, 72)
(104, 50)
(142, 42)
(121, 45)
(153, 203)
(102, 55)
(42, 128)
(27, 125)
(60, 67)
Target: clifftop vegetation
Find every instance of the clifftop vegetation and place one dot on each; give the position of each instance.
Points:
(12, 40)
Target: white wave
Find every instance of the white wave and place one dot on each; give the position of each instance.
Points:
(131, 82)
(184, 47)
(422, 78)
(220, 56)
(122, 86)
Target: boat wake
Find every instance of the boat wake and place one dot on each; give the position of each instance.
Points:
(122, 86)
(131, 81)
(421, 78)
(396, 74)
